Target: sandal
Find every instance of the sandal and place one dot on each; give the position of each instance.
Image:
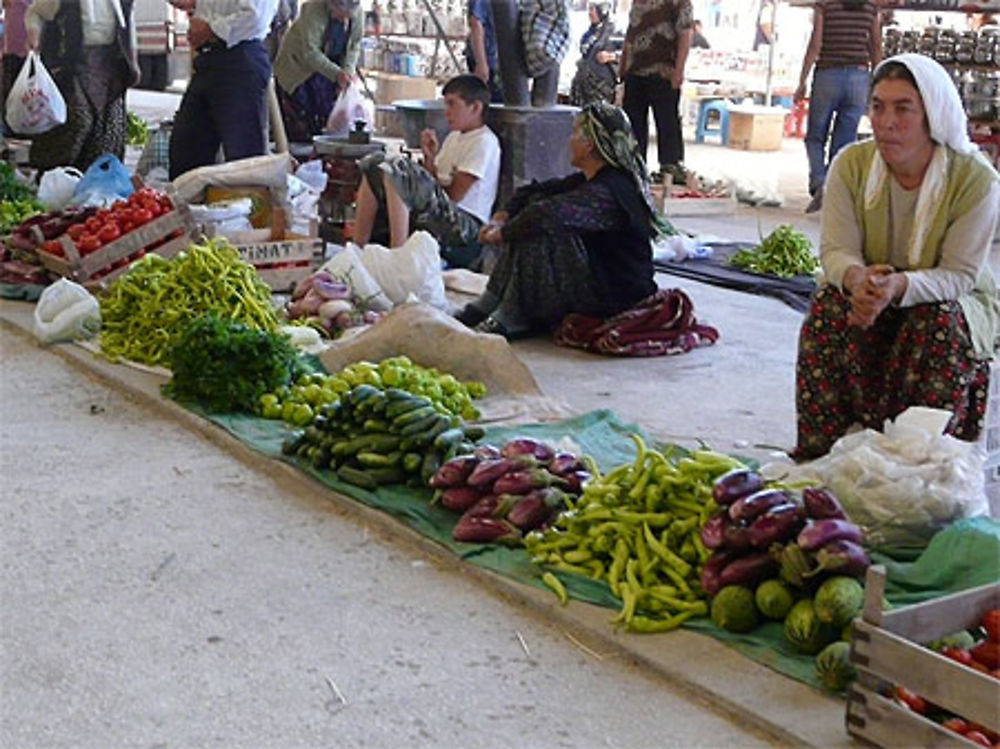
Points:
(470, 316)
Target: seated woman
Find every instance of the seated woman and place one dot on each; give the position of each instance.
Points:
(578, 244)
(908, 315)
(316, 60)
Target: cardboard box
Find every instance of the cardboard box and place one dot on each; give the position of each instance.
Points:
(391, 86)
(754, 128)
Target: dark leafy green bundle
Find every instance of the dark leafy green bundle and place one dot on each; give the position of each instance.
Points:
(11, 188)
(225, 366)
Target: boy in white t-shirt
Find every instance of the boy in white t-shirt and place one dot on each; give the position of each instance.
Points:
(451, 196)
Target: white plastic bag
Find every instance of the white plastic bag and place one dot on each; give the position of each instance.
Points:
(65, 312)
(413, 268)
(346, 265)
(34, 104)
(903, 485)
(56, 187)
(350, 107)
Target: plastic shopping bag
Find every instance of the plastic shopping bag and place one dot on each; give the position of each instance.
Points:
(55, 188)
(106, 180)
(351, 106)
(34, 104)
(413, 268)
(65, 312)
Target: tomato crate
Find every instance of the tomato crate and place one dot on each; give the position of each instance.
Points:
(166, 235)
(671, 203)
(888, 651)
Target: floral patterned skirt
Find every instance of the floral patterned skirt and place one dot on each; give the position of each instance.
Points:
(914, 356)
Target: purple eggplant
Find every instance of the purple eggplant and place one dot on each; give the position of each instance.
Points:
(487, 452)
(460, 498)
(489, 471)
(822, 505)
(748, 570)
(527, 446)
(752, 505)
(575, 480)
(822, 532)
(564, 463)
(841, 557)
(485, 507)
(533, 509)
(712, 533)
(522, 482)
(735, 536)
(777, 525)
(485, 530)
(712, 569)
(454, 472)
(736, 484)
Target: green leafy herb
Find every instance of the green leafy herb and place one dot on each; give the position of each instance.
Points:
(11, 188)
(784, 253)
(226, 366)
(136, 130)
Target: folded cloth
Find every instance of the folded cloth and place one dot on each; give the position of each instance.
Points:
(663, 323)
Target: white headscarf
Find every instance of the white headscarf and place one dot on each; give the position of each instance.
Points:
(948, 127)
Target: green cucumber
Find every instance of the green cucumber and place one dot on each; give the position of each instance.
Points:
(417, 427)
(411, 416)
(375, 425)
(448, 438)
(474, 433)
(399, 407)
(378, 460)
(429, 466)
(358, 477)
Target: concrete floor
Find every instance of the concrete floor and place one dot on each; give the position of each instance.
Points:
(161, 587)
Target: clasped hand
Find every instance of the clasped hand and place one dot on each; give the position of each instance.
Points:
(873, 288)
(491, 232)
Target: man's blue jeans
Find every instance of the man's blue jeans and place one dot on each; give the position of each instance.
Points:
(835, 91)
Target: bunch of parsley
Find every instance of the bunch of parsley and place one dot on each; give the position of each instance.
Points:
(226, 366)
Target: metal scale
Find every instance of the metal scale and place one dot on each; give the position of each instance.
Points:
(340, 157)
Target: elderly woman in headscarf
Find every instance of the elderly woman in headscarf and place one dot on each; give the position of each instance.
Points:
(578, 244)
(317, 60)
(908, 312)
(595, 73)
(89, 48)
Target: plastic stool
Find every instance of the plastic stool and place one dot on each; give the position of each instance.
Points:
(720, 107)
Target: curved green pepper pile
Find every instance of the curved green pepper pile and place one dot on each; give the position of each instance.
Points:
(145, 310)
(785, 252)
(638, 529)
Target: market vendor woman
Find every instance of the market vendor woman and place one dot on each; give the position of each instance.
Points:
(578, 244)
(316, 61)
(909, 313)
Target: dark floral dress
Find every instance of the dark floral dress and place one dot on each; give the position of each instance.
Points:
(914, 356)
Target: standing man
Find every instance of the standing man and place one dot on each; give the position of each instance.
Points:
(481, 48)
(846, 44)
(652, 65)
(225, 99)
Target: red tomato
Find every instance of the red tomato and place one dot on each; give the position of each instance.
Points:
(987, 653)
(166, 204)
(141, 216)
(957, 654)
(126, 226)
(991, 623)
(118, 205)
(88, 243)
(53, 247)
(76, 231)
(976, 737)
(913, 701)
(109, 233)
(957, 725)
(93, 225)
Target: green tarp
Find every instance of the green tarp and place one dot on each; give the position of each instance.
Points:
(962, 556)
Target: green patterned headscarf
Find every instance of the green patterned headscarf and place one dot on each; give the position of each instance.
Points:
(608, 128)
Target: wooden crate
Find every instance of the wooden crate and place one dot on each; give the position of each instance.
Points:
(283, 263)
(887, 651)
(95, 270)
